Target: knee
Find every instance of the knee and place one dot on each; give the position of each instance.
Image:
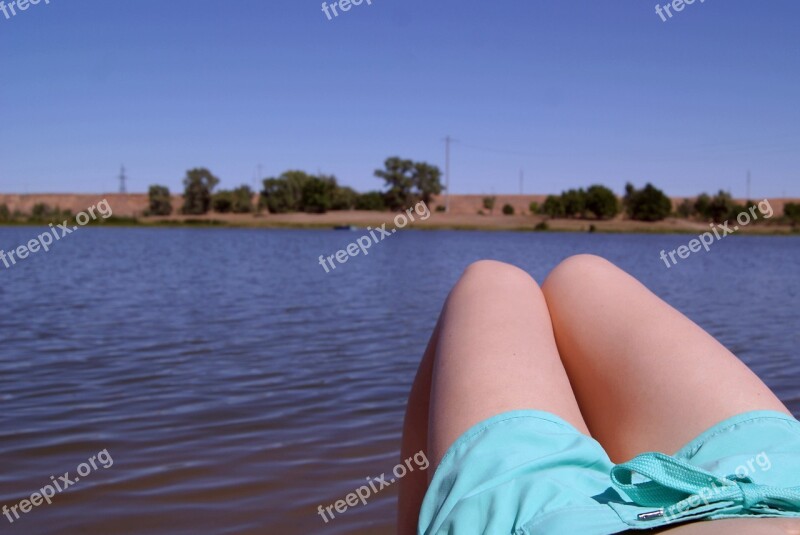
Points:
(484, 272)
(577, 268)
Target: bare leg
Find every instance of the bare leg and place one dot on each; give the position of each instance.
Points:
(493, 352)
(646, 377)
(415, 439)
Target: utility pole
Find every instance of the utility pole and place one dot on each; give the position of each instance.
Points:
(122, 179)
(748, 185)
(447, 174)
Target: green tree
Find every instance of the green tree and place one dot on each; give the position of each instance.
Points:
(242, 199)
(574, 201)
(489, 202)
(398, 175)
(160, 200)
(371, 200)
(317, 194)
(601, 202)
(553, 206)
(427, 181)
(408, 182)
(222, 201)
(791, 211)
(198, 185)
(685, 209)
(722, 207)
(508, 209)
(5, 214)
(533, 207)
(344, 198)
(285, 193)
(647, 204)
(701, 205)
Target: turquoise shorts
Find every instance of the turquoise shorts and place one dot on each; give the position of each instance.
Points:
(531, 472)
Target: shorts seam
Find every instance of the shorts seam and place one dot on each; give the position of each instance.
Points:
(538, 519)
(691, 448)
(487, 424)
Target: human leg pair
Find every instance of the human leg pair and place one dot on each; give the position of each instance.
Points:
(592, 346)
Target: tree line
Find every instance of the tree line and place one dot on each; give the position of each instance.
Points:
(646, 204)
(406, 182)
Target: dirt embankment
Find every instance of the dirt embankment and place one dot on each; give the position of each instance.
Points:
(123, 205)
(464, 214)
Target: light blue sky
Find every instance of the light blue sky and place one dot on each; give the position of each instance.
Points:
(576, 92)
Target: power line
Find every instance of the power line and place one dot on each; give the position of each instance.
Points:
(122, 179)
(499, 151)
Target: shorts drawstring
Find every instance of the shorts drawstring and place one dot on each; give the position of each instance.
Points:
(679, 490)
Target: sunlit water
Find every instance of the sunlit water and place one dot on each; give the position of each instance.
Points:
(237, 386)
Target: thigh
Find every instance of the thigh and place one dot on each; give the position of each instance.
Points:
(743, 526)
(495, 352)
(646, 377)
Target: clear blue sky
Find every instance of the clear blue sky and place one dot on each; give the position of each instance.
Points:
(576, 92)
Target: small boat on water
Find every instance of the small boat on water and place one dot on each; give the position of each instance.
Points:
(345, 227)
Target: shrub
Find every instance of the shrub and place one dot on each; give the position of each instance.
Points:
(791, 211)
(508, 209)
(553, 206)
(5, 214)
(533, 207)
(601, 202)
(574, 201)
(42, 213)
(242, 200)
(372, 200)
(489, 202)
(317, 195)
(685, 209)
(344, 198)
(721, 208)
(647, 204)
(541, 226)
(160, 200)
(238, 201)
(222, 202)
(284, 194)
(701, 205)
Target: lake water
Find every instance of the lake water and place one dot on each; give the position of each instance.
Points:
(237, 386)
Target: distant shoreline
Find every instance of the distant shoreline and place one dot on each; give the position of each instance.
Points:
(128, 210)
(436, 221)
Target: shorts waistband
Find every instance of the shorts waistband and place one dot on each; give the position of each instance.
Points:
(725, 425)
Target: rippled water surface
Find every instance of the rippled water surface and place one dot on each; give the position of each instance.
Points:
(237, 386)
